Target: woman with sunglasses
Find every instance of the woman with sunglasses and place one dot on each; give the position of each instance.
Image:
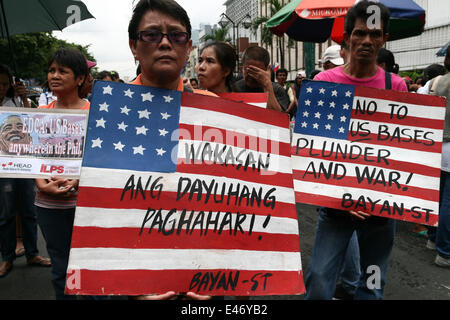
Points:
(57, 197)
(160, 40)
(215, 67)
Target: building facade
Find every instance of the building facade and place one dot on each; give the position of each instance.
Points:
(411, 53)
(417, 53)
(236, 10)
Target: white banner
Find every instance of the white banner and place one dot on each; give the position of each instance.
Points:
(40, 143)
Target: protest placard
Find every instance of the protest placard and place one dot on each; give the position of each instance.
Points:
(370, 150)
(184, 192)
(39, 143)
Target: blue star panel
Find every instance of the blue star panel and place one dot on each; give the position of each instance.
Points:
(324, 109)
(132, 128)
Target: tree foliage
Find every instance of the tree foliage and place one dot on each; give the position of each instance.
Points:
(219, 34)
(32, 52)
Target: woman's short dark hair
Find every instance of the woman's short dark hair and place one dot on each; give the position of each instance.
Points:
(432, 71)
(314, 73)
(447, 58)
(387, 57)
(281, 70)
(420, 80)
(72, 59)
(103, 74)
(258, 54)
(4, 69)
(169, 7)
(226, 56)
(359, 11)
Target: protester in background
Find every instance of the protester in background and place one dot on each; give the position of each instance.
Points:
(386, 61)
(194, 83)
(408, 82)
(257, 78)
(301, 75)
(418, 83)
(297, 87)
(430, 72)
(16, 195)
(57, 197)
(86, 89)
(104, 76)
(115, 76)
(12, 94)
(439, 238)
(314, 73)
(281, 76)
(46, 96)
(332, 57)
(160, 39)
(336, 227)
(216, 64)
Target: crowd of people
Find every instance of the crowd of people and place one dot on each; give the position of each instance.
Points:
(346, 242)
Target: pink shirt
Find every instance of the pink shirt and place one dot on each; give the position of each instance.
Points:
(338, 75)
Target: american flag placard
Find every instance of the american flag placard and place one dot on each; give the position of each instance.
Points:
(256, 99)
(183, 192)
(371, 150)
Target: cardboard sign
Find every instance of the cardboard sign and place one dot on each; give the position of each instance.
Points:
(39, 143)
(184, 192)
(370, 150)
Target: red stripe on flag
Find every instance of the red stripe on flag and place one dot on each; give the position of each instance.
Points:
(409, 121)
(253, 113)
(248, 97)
(425, 101)
(235, 139)
(215, 282)
(415, 192)
(110, 199)
(419, 216)
(130, 238)
(371, 161)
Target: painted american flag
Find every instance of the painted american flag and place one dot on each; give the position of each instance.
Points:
(183, 192)
(370, 150)
(256, 99)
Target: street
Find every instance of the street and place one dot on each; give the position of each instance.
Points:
(412, 274)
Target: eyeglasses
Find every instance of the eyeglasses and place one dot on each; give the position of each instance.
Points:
(156, 36)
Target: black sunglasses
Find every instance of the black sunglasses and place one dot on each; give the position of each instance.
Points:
(156, 36)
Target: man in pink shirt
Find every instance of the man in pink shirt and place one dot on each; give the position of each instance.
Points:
(364, 37)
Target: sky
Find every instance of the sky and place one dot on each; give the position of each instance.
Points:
(108, 37)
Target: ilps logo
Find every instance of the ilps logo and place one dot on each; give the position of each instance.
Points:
(51, 169)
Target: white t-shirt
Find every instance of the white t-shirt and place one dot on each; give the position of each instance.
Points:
(445, 166)
(8, 102)
(46, 98)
